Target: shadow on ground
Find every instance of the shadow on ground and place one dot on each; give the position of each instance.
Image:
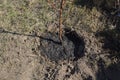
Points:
(88, 3)
(109, 37)
(112, 72)
(111, 41)
(110, 11)
(50, 46)
(107, 6)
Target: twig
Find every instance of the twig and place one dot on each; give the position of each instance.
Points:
(62, 3)
(60, 19)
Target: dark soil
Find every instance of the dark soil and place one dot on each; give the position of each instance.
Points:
(72, 48)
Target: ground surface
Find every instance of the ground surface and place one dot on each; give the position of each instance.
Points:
(30, 48)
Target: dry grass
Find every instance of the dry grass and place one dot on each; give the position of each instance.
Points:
(24, 16)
